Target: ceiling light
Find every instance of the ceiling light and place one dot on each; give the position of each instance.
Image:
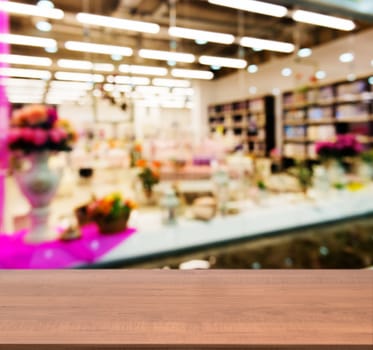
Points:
(98, 48)
(215, 67)
(223, 62)
(305, 52)
(201, 35)
(287, 72)
(25, 73)
(116, 57)
(26, 60)
(351, 77)
(253, 90)
(347, 57)
(97, 78)
(192, 74)
(119, 79)
(45, 3)
(370, 80)
(75, 64)
(253, 6)
(256, 49)
(323, 20)
(253, 68)
(171, 82)
(25, 99)
(27, 40)
(276, 91)
(201, 42)
(85, 65)
(51, 49)
(320, 74)
(167, 56)
(30, 10)
(17, 82)
(265, 44)
(118, 23)
(143, 70)
(171, 63)
(43, 26)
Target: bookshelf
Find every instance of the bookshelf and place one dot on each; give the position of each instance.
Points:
(251, 121)
(320, 113)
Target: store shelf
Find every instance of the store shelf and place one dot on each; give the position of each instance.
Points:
(351, 99)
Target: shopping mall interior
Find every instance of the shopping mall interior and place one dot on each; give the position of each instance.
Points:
(186, 134)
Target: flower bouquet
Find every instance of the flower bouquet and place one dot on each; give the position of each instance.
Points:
(110, 213)
(36, 128)
(149, 175)
(36, 131)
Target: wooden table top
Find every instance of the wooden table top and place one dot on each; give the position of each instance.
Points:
(169, 309)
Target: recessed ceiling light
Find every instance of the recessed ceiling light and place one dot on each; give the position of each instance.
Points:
(276, 91)
(253, 90)
(43, 26)
(25, 40)
(143, 70)
(31, 10)
(287, 72)
(82, 46)
(351, 77)
(97, 78)
(215, 67)
(305, 52)
(347, 57)
(201, 42)
(256, 49)
(171, 63)
(116, 57)
(253, 68)
(25, 73)
(320, 74)
(51, 49)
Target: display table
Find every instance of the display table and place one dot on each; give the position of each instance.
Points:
(143, 309)
(276, 214)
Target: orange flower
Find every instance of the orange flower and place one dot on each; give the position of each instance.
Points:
(157, 164)
(141, 163)
(130, 204)
(138, 148)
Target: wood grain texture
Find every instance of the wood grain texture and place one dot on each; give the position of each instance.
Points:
(168, 309)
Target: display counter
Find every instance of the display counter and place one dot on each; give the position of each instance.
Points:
(275, 215)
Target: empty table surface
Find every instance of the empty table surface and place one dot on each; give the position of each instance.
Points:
(169, 309)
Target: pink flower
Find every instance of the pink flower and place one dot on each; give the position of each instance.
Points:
(14, 135)
(40, 137)
(57, 135)
(27, 134)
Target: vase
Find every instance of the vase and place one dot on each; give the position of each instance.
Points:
(38, 184)
(336, 172)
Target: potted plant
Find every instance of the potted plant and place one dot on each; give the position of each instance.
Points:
(148, 176)
(111, 213)
(35, 133)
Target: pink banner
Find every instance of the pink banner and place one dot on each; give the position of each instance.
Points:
(4, 116)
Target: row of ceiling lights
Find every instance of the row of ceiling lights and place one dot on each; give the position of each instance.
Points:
(215, 62)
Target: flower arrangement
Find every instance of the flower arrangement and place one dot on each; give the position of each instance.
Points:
(37, 128)
(344, 146)
(149, 174)
(111, 213)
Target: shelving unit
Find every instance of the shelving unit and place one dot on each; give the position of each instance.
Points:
(251, 121)
(320, 113)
